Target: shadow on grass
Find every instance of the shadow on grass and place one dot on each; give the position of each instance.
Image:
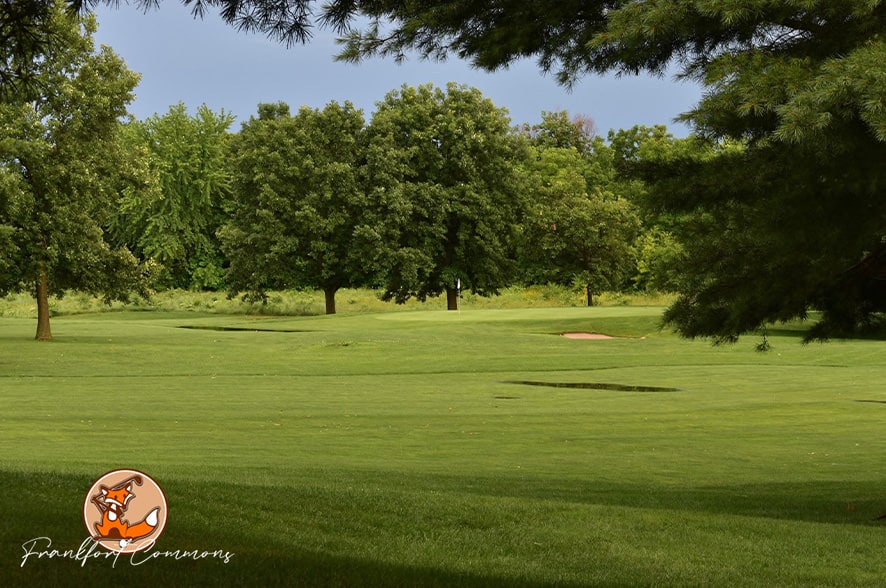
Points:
(593, 386)
(49, 505)
(875, 332)
(267, 528)
(249, 567)
(852, 503)
(242, 329)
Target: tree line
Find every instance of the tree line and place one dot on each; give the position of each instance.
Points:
(772, 209)
(437, 192)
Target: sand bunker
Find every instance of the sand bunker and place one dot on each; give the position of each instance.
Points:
(585, 336)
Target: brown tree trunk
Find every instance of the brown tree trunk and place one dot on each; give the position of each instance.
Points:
(43, 331)
(590, 295)
(451, 298)
(329, 293)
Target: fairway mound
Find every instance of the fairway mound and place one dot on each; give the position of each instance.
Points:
(593, 336)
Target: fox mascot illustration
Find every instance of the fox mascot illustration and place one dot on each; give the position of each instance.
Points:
(113, 502)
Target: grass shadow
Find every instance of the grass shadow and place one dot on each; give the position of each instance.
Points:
(261, 555)
(310, 535)
(853, 503)
(242, 329)
(593, 386)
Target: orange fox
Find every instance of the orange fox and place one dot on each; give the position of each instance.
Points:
(113, 502)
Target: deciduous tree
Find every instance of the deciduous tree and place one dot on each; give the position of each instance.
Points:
(297, 201)
(559, 129)
(442, 175)
(62, 162)
(175, 224)
(575, 233)
(658, 248)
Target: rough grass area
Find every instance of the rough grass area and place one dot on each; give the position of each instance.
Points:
(395, 449)
(310, 303)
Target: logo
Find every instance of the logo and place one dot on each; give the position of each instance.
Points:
(125, 511)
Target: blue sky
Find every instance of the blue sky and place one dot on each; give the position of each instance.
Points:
(208, 61)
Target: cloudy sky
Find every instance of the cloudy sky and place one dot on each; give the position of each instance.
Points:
(207, 61)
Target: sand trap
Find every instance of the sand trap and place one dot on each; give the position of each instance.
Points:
(585, 336)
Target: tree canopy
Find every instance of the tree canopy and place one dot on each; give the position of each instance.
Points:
(174, 225)
(62, 162)
(573, 232)
(442, 173)
(297, 201)
(579, 228)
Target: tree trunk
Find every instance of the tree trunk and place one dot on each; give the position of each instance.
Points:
(43, 331)
(329, 293)
(590, 295)
(451, 298)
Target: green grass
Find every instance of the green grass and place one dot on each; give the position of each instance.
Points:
(309, 303)
(388, 448)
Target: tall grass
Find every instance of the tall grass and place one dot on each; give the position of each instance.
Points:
(310, 303)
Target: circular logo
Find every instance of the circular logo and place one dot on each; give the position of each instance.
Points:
(125, 511)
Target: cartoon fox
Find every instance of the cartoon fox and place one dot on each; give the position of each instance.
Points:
(113, 502)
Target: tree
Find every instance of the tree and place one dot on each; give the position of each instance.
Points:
(62, 162)
(804, 232)
(175, 224)
(297, 201)
(558, 129)
(574, 233)
(658, 249)
(584, 221)
(442, 175)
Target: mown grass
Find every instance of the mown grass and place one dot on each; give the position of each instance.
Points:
(389, 448)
